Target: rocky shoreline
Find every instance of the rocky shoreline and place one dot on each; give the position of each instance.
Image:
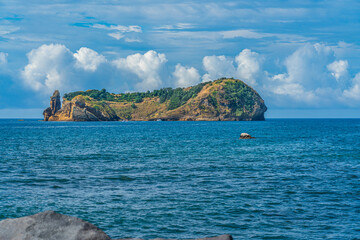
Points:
(50, 225)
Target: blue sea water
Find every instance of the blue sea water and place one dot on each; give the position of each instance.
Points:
(299, 179)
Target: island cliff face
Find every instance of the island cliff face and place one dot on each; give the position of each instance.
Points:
(76, 110)
(220, 100)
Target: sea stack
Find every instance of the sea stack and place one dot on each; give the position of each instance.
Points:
(55, 105)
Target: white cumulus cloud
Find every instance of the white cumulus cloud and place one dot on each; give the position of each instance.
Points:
(338, 69)
(293, 90)
(147, 67)
(88, 59)
(307, 65)
(48, 67)
(54, 66)
(307, 77)
(186, 76)
(248, 66)
(217, 67)
(353, 93)
(313, 76)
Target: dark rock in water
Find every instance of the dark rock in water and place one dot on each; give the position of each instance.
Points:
(50, 225)
(245, 136)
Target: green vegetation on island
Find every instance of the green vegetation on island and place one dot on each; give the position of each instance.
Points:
(176, 97)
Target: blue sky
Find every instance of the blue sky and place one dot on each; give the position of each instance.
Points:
(303, 57)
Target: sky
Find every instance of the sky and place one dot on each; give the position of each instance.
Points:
(301, 56)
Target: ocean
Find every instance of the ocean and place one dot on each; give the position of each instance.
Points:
(298, 179)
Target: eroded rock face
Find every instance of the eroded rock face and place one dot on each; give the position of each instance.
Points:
(50, 225)
(47, 114)
(77, 110)
(55, 103)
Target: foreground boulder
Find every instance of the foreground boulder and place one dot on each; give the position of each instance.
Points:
(50, 225)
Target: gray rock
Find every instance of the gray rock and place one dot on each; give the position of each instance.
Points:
(82, 115)
(49, 225)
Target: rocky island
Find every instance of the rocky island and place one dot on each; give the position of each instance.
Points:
(225, 99)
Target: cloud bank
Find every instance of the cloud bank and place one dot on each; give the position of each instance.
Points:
(313, 75)
(313, 78)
